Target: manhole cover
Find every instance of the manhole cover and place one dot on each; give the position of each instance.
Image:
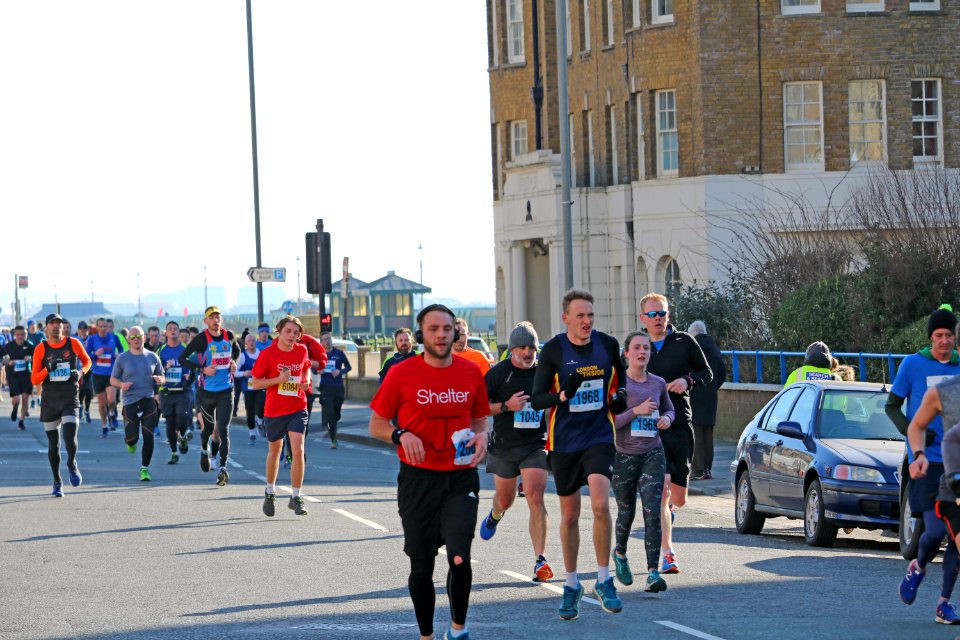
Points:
(353, 626)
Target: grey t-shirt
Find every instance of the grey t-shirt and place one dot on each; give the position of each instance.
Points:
(138, 369)
(949, 391)
(639, 435)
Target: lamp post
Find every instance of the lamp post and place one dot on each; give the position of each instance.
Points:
(420, 252)
(205, 304)
(139, 301)
(299, 309)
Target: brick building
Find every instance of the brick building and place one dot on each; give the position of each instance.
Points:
(684, 114)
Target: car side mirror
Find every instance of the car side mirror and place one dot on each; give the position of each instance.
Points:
(790, 429)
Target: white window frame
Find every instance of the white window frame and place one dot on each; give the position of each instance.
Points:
(585, 17)
(635, 18)
(854, 6)
(515, 24)
(641, 151)
(518, 138)
(661, 11)
(614, 160)
(789, 10)
(882, 121)
(610, 36)
(663, 132)
(496, 33)
(591, 162)
(929, 5)
(805, 166)
(937, 159)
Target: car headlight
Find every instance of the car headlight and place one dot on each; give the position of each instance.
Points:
(860, 474)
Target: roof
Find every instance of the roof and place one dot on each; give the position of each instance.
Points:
(848, 386)
(352, 285)
(72, 311)
(392, 283)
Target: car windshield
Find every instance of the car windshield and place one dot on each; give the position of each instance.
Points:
(478, 344)
(857, 415)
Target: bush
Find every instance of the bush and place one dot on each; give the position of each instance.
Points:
(729, 311)
(818, 311)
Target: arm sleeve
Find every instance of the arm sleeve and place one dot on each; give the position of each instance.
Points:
(543, 395)
(666, 404)
(347, 367)
(198, 345)
(39, 372)
(893, 411)
(157, 365)
(235, 349)
(259, 369)
(85, 361)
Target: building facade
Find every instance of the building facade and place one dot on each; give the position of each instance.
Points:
(685, 115)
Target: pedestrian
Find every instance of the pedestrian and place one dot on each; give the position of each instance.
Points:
(703, 403)
(331, 387)
(441, 403)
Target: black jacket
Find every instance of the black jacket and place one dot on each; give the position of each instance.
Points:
(680, 356)
(703, 398)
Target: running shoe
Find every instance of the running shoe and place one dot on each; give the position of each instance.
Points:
(114, 423)
(655, 583)
(296, 505)
(269, 507)
(260, 428)
(145, 475)
(213, 462)
(699, 475)
(75, 478)
(570, 606)
(946, 614)
(174, 459)
(33, 403)
(13, 415)
(489, 526)
(542, 571)
(58, 492)
(21, 426)
(223, 477)
(669, 563)
(253, 438)
(286, 461)
(189, 434)
(333, 445)
(911, 582)
(132, 448)
(520, 492)
(622, 569)
(86, 417)
(182, 444)
(449, 636)
(104, 433)
(606, 593)
(204, 462)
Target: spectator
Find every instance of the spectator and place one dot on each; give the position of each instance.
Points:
(703, 402)
(817, 365)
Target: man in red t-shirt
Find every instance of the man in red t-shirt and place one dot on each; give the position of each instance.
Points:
(440, 404)
(283, 369)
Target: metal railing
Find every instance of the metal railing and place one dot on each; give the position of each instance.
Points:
(780, 359)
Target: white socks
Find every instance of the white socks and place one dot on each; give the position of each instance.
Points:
(572, 580)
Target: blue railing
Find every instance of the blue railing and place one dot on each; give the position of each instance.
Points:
(781, 359)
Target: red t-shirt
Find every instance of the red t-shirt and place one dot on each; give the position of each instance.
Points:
(287, 398)
(433, 404)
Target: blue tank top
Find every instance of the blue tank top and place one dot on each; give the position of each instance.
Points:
(173, 373)
(586, 419)
(219, 354)
(247, 365)
(103, 363)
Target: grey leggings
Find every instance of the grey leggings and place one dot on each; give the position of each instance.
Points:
(643, 471)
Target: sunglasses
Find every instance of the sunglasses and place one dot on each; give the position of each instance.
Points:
(135, 337)
(654, 314)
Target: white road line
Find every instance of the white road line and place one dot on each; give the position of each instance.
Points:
(687, 630)
(369, 523)
(234, 464)
(545, 585)
(38, 451)
(443, 550)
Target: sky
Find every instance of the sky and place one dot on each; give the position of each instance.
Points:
(125, 144)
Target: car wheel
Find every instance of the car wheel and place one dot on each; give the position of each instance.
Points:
(816, 530)
(744, 514)
(910, 530)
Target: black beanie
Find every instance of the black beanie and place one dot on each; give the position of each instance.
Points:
(942, 318)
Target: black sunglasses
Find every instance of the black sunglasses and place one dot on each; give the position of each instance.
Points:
(654, 314)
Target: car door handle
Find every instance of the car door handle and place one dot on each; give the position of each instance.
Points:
(753, 437)
(778, 443)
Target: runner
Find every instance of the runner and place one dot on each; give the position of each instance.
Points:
(403, 343)
(35, 335)
(331, 388)
(441, 404)
(104, 347)
(58, 367)
(676, 357)
(318, 360)
(17, 356)
(577, 380)
(86, 384)
(516, 448)
(153, 339)
(253, 399)
(461, 349)
(285, 410)
(137, 371)
(174, 399)
(217, 352)
(640, 463)
(263, 336)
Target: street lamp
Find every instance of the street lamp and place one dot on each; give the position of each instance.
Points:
(205, 305)
(420, 252)
(299, 309)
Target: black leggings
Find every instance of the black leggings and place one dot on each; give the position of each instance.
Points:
(331, 401)
(420, 583)
(253, 406)
(702, 447)
(53, 448)
(175, 414)
(216, 410)
(86, 393)
(141, 417)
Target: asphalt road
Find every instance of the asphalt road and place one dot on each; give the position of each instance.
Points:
(182, 558)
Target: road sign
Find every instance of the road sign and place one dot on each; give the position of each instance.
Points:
(287, 306)
(23, 282)
(267, 274)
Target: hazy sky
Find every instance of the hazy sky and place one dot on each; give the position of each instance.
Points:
(125, 143)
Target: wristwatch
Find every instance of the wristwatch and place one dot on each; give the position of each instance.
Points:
(503, 407)
(921, 452)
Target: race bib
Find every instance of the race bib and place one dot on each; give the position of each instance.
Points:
(330, 367)
(61, 373)
(173, 376)
(933, 381)
(19, 366)
(589, 396)
(221, 361)
(462, 453)
(104, 359)
(527, 418)
(289, 388)
(645, 426)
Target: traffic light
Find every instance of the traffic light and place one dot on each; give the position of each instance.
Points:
(318, 263)
(326, 322)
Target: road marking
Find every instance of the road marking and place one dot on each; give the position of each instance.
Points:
(234, 464)
(31, 450)
(545, 585)
(687, 630)
(369, 523)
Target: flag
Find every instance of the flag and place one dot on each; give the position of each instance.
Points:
(184, 312)
(160, 312)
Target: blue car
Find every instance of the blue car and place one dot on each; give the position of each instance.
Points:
(824, 452)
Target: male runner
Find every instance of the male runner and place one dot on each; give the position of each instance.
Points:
(578, 378)
(516, 448)
(263, 336)
(136, 372)
(35, 335)
(58, 363)
(403, 343)
(153, 339)
(331, 387)
(104, 347)
(217, 352)
(253, 399)
(440, 403)
(175, 403)
(283, 370)
(461, 349)
(17, 356)
(86, 383)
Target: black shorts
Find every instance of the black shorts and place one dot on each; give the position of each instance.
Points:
(55, 409)
(437, 508)
(19, 385)
(279, 426)
(678, 450)
(508, 461)
(100, 383)
(949, 512)
(174, 403)
(923, 491)
(570, 470)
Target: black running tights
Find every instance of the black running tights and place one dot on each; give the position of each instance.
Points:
(420, 583)
(53, 448)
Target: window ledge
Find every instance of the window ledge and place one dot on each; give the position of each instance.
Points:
(815, 14)
(513, 65)
(585, 55)
(608, 47)
(660, 25)
(866, 14)
(926, 12)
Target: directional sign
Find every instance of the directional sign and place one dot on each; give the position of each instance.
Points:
(267, 274)
(287, 306)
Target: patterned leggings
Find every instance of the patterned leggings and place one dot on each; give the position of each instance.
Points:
(644, 471)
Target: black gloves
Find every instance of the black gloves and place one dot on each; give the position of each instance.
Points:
(953, 483)
(572, 384)
(618, 401)
(74, 375)
(50, 365)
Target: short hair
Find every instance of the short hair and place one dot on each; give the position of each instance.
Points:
(402, 330)
(430, 309)
(287, 320)
(697, 327)
(326, 333)
(659, 297)
(153, 327)
(631, 336)
(101, 319)
(462, 322)
(172, 322)
(576, 294)
(19, 327)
